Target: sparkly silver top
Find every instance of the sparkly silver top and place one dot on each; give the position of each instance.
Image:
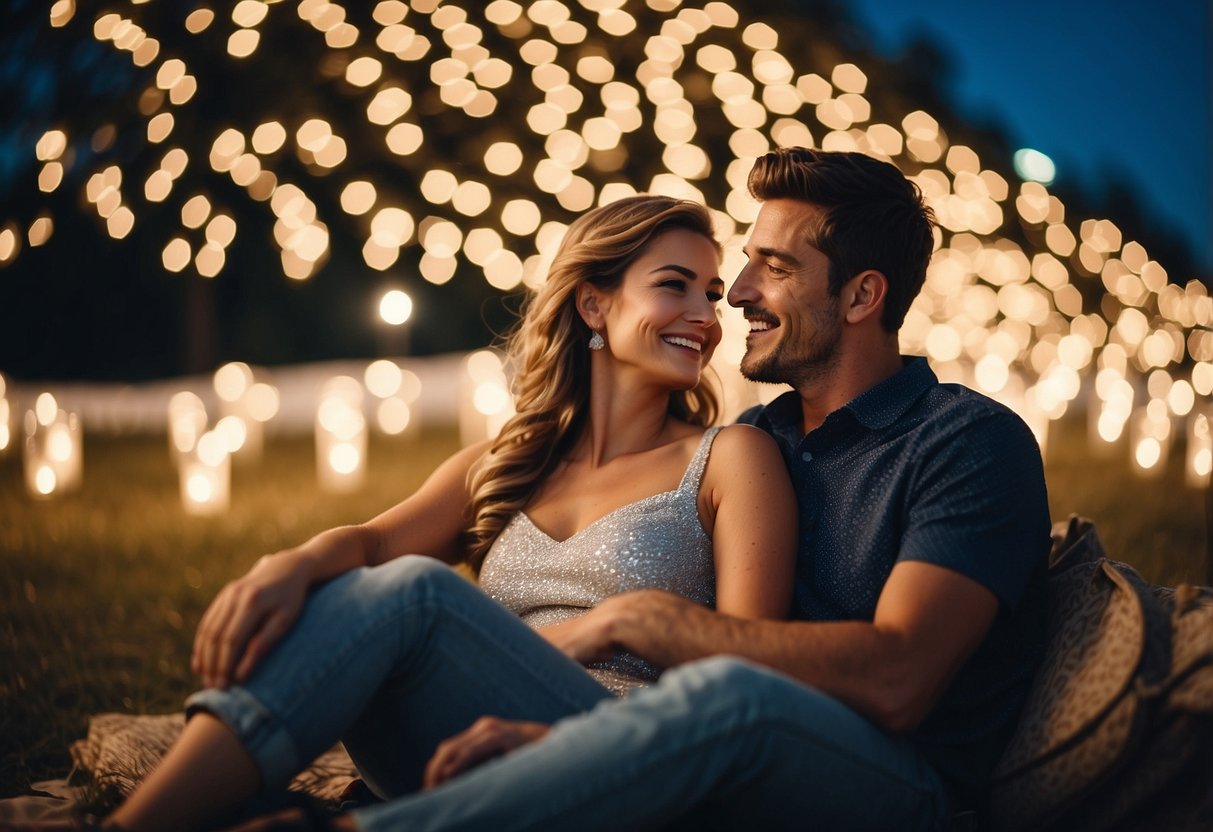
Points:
(654, 543)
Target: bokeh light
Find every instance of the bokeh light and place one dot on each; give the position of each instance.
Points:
(395, 307)
(496, 123)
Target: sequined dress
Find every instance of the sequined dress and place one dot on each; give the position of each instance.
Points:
(653, 543)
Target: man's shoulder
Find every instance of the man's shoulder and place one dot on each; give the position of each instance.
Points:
(954, 428)
(958, 407)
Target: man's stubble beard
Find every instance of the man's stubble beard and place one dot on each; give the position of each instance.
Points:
(812, 358)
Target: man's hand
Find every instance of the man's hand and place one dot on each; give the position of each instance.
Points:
(587, 638)
(488, 737)
(658, 626)
(246, 619)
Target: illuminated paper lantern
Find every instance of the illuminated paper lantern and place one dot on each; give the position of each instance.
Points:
(1198, 455)
(6, 426)
(54, 452)
(205, 475)
(485, 402)
(341, 436)
(187, 422)
(245, 406)
(1150, 440)
(396, 390)
(6, 418)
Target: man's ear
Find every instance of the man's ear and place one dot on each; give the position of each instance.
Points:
(590, 306)
(864, 294)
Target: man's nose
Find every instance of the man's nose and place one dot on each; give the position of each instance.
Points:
(742, 292)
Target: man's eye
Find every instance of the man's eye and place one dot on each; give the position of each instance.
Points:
(778, 272)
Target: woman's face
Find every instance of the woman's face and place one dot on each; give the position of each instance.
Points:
(661, 321)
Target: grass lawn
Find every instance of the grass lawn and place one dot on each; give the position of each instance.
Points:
(100, 592)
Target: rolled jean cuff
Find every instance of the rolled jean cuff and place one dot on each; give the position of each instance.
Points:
(263, 735)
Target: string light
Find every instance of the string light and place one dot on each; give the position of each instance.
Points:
(1008, 301)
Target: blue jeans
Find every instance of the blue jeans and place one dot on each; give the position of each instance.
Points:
(397, 658)
(392, 660)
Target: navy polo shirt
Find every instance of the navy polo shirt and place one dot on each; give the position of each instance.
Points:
(917, 470)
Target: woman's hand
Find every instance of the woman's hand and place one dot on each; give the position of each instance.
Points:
(246, 619)
(488, 737)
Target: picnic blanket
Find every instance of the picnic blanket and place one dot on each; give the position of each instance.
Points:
(121, 749)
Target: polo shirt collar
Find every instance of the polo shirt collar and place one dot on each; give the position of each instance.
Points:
(875, 409)
(888, 401)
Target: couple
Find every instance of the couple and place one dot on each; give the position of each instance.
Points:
(901, 522)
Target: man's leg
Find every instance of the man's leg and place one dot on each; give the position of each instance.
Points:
(411, 635)
(744, 747)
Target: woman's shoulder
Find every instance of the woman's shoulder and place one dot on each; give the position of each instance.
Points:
(743, 439)
(742, 448)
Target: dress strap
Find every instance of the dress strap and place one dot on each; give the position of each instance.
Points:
(694, 473)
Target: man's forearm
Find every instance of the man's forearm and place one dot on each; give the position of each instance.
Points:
(668, 630)
(853, 661)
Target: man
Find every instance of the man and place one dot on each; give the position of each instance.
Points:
(918, 614)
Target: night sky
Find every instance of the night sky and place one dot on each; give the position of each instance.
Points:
(1101, 87)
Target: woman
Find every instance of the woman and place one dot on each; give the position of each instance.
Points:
(605, 481)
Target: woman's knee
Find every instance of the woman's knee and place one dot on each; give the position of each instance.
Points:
(411, 573)
(404, 582)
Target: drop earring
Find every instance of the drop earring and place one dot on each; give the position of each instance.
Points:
(596, 341)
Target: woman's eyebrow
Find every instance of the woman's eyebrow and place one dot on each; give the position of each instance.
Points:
(673, 267)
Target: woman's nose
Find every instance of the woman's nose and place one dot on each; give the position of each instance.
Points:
(701, 311)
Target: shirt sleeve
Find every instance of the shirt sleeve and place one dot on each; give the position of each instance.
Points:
(979, 507)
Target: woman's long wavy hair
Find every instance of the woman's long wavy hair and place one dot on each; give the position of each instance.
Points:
(551, 360)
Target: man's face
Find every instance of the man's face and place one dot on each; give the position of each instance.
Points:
(795, 324)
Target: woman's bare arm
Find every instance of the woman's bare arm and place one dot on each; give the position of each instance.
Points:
(251, 613)
(754, 528)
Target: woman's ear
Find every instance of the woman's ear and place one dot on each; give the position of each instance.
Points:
(864, 295)
(589, 306)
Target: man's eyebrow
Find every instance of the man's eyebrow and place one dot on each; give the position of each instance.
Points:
(785, 256)
(767, 251)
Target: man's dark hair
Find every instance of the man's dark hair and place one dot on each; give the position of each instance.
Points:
(872, 217)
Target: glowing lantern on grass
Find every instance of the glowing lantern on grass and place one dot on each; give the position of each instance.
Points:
(205, 474)
(6, 419)
(1199, 454)
(485, 402)
(341, 436)
(396, 390)
(54, 457)
(1151, 439)
(186, 423)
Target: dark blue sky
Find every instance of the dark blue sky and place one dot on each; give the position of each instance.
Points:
(1097, 85)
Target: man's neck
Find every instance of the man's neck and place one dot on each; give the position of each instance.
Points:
(853, 375)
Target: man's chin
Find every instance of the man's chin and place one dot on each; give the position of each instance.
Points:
(763, 372)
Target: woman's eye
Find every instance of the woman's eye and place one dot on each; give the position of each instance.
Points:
(673, 284)
(715, 297)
